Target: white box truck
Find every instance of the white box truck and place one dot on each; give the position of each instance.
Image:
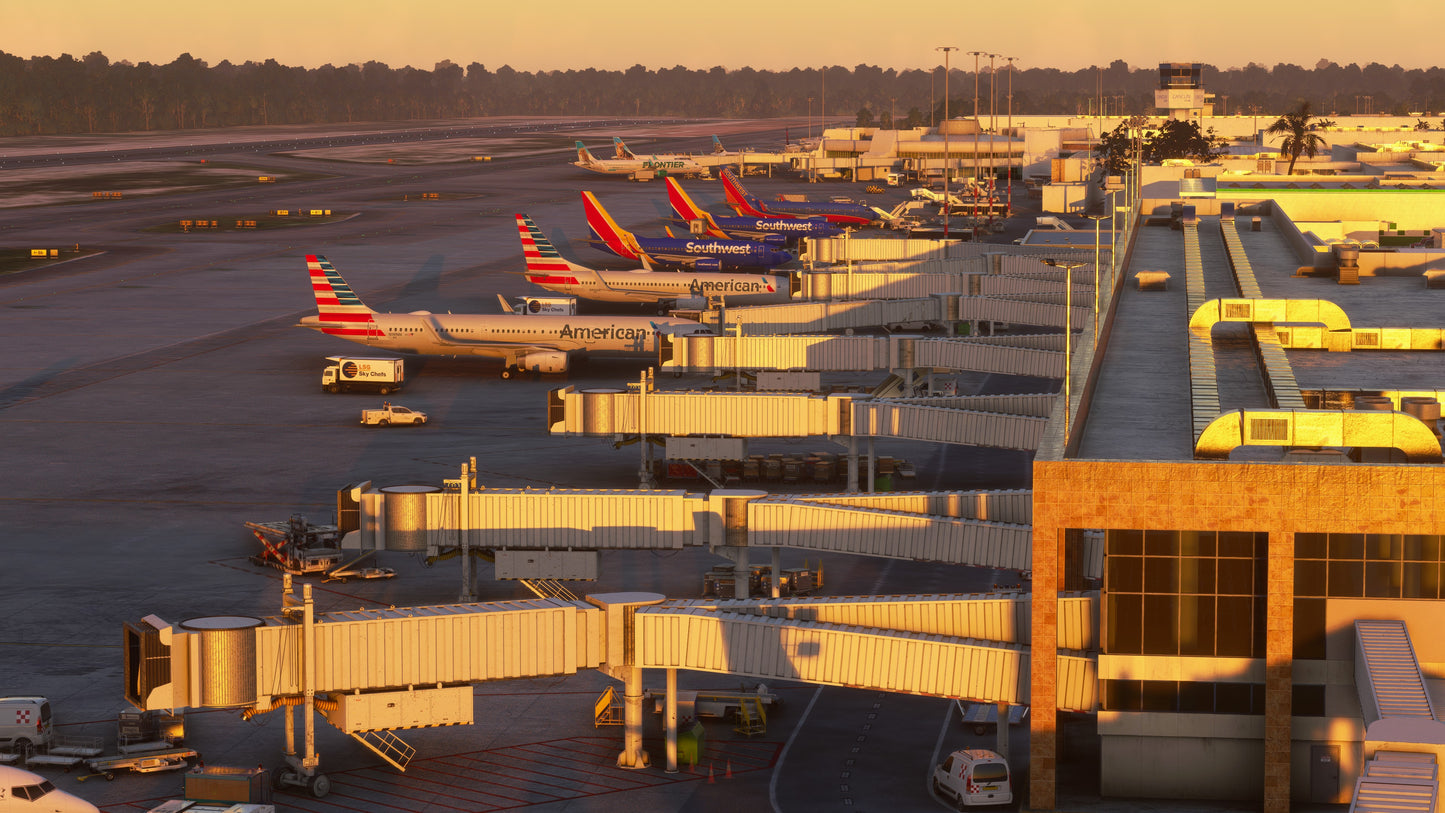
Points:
(347, 373)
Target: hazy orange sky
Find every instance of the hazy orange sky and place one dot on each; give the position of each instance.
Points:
(731, 33)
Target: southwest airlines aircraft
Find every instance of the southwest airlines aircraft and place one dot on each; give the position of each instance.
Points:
(844, 214)
(538, 343)
(549, 269)
(775, 231)
(701, 253)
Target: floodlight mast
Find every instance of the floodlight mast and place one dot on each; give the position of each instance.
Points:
(947, 49)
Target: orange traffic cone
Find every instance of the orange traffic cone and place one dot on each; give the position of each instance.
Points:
(710, 779)
(729, 774)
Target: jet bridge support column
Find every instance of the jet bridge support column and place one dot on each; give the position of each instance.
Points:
(670, 720)
(853, 464)
(620, 663)
(1001, 746)
(731, 507)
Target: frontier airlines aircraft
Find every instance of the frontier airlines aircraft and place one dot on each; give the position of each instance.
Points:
(538, 343)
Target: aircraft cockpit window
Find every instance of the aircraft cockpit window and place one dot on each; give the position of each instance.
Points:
(32, 792)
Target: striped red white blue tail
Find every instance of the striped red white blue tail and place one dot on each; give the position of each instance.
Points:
(338, 308)
(546, 265)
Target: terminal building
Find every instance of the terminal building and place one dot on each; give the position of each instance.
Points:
(1257, 437)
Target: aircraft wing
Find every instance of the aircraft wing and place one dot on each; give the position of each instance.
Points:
(486, 348)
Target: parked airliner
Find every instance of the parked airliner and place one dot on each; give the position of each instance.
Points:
(775, 231)
(703, 254)
(639, 168)
(547, 268)
(844, 214)
(539, 343)
(24, 792)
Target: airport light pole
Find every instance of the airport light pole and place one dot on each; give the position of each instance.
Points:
(976, 128)
(1068, 339)
(992, 128)
(1096, 219)
(1011, 133)
(946, 49)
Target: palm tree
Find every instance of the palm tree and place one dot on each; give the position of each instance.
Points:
(1299, 136)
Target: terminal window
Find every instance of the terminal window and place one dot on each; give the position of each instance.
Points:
(1184, 593)
(1388, 566)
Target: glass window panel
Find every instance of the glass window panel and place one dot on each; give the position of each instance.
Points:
(1309, 629)
(1234, 630)
(1422, 547)
(1309, 578)
(1126, 543)
(1232, 698)
(1126, 574)
(1196, 626)
(1307, 701)
(1347, 546)
(1237, 544)
(1382, 579)
(1259, 630)
(1126, 621)
(1121, 695)
(1196, 697)
(1383, 547)
(1161, 575)
(1196, 543)
(1161, 543)
(1347, 579)
(1196, 575)
(1236, 577)
(1160, 695)
(1311, 546)
(1161, 625)
(1420, 580)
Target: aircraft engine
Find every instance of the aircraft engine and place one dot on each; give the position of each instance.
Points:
(546, 361)
(708, 264)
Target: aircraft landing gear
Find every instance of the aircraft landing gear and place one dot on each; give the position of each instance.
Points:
(508, 371)
(318, 784)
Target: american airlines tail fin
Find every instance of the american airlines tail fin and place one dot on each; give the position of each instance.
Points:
(738, 197)
(686, 210)
(544, 263)
(584, 155)
(717, 146)
(339, 311)
(606, 231)
(620, 148)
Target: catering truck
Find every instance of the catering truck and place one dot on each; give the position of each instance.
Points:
(347, 373)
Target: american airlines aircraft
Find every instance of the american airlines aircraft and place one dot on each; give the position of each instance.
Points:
(538, 343)
(549, 269)
(24, 792)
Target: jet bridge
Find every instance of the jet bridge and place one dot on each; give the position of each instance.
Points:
(978, 529)
(1036, 355)
(369, 672)
(997, 421)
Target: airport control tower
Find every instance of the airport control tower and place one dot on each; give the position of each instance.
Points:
(1181, 91)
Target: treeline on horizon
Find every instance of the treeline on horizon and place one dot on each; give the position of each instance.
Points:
(63, 95)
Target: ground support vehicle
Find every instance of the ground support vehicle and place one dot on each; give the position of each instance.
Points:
(974, 777)
(347, 373)
(795, 581)
(145, 761)
(297, 547)
(392, 414)
(983, 716)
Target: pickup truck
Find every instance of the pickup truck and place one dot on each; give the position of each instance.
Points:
(391, 413)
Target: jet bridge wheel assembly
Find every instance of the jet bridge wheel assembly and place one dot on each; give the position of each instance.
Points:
(318, 785)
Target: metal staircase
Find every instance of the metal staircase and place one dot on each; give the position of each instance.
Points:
(388, 746)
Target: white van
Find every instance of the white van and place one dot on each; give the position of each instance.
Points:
(973, 776)
(24, 723)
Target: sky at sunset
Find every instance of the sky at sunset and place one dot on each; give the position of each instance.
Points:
(730, 33)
